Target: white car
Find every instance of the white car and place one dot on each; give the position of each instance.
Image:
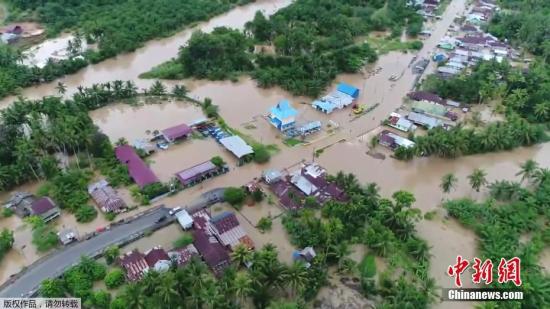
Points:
(174, 211)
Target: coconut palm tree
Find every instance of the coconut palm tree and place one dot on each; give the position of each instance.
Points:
(541, 176)
(133, 294)
(61, 88)
(477, 179)
(241, 255)
(179, 91)
(296, 278)
(448, 183)
(528, 169)
(542, 110)
(166, 291)
(243, 287)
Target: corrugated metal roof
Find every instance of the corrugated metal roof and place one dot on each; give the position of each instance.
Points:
(237, 146)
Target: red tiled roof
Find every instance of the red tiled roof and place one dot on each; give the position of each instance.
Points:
(213, 253)
(42, 205)
(135, 265)
(139, 171)
(425, 96)
(224, 222)
(154, 255)
(105, 197)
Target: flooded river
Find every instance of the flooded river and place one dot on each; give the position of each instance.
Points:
(242, 105)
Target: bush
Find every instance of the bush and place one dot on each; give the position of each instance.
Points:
(43, 236)
(261, 154)
(155, 189)
(368, 266)
(311, 202)
(258, 195)
(110, 216)
(217, 161)
(111, 254)
(7, 212)
(101, 299)
(183, 241)
(85, 214)
(264, 224)
(6, 242)
(114, 279)
(234, 196)
(416, 45)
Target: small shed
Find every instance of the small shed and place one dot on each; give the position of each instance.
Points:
(348, 89)
(184, 219)
(272, 175)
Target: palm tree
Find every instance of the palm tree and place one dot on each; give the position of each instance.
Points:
(448, 182)
(477, 179)
(133, 294)
(61, 88)
(296, 278)
(528, 169)
(542, 175)
(121, 141)
(166, 291)
(241, 255)
(157, 89)
(179, 91)
(243, 287)
(542, 110)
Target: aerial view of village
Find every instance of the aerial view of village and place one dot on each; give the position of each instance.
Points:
(278, 154)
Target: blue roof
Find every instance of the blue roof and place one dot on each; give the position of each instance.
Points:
(325, 106)
(283, 110)
(348, 89)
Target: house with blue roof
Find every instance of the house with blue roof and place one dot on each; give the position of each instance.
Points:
(283, 115)
(348, 89)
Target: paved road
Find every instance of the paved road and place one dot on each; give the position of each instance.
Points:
(61, 260)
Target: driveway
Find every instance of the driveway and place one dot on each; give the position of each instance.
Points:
(59, 261)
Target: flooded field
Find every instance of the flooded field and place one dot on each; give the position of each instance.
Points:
(53, 48)
(133, 122)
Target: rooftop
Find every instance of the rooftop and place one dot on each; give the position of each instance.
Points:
(155, 255)
(135, 265)
(138, 170)
(237, 146)
(225, 221)
(283, 110)
(213, 253)
(348, 89)
(194, 171)
(105, 196)
(176, 132)
(42, 205)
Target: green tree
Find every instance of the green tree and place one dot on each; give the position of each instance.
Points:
(52, 288)
(114, 278)
(527, 169)
(241, 255)
(217, 161)
(6, 242)
(243, 287)
(111, 254)
(180, 91)
(184, 240)
(477, 179)
(157, 89)
(264, 224)
(234, 196)
(261, 154)
(448, 182)
(61, 88)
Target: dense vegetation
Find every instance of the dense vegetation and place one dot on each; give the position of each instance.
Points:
(6, 242)
(386, 226)
(314, 40)
(266, 283)
(100, 21)
(44, 237)
(460, 141)
(524, 23)
(14, 75)
(525, 92)
(512, 213)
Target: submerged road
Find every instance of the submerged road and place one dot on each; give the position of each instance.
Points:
(56, 263)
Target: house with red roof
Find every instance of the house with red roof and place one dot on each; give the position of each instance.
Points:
(138, 170)
(228, 230)
(105, 197)
(157, 259)
(212, 251)
(175, 133)
(45, 208)
(134, 264)
(182, 256)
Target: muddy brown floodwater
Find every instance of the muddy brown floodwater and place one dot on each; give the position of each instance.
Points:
(242, 105)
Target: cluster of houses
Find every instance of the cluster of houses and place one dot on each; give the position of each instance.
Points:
(343, 96)
(214, 237)
(310, 180)
(426, 8)
(468, 44)
(143, 175)
(428, 111)
(25, 204)
(284, 117)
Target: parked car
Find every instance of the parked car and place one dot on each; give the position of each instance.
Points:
(174, 211)
(159, 220)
